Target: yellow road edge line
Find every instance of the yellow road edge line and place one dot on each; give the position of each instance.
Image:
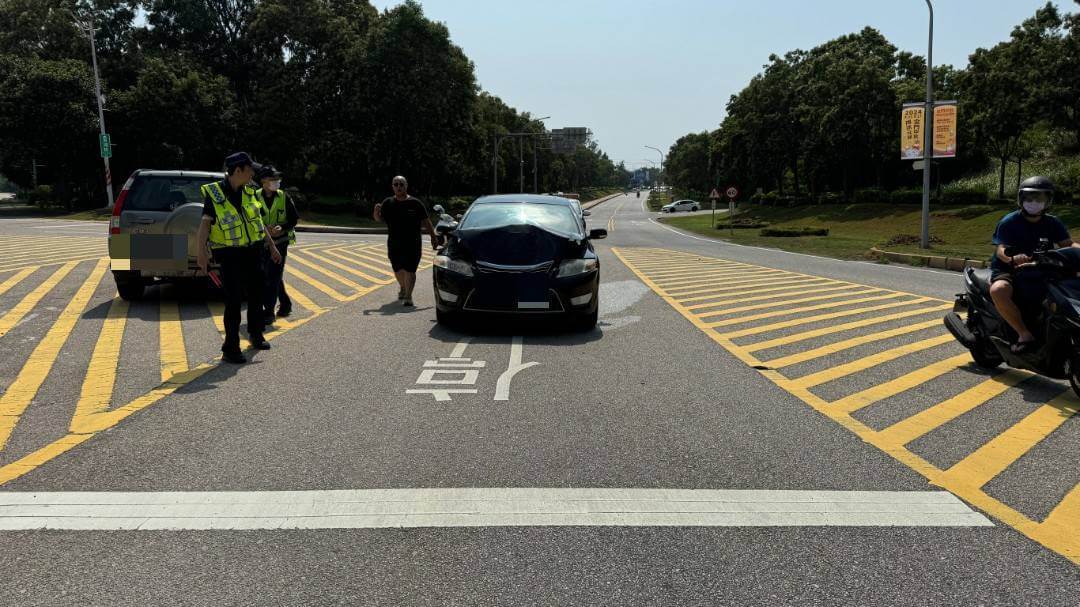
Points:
(1044, 534)
(171, 340)
(27, 303)
(839, 346)
(814, 308)
(1061, 525)
(922, 423)
(862, 364)
(994, 457)
(869, 396)
(856, 324)
(25, 387)
(97, 387)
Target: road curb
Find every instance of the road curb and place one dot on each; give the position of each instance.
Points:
(955, 264)
(598, 201)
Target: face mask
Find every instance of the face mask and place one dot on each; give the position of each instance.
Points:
(1034, 208)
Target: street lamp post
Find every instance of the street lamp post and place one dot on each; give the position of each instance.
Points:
(928, 132)
(657, 150)
(536, 180)
(88, 29)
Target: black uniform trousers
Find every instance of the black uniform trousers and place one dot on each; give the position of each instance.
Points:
(275, 284)
(242, 271)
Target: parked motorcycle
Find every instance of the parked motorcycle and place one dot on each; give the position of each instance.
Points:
(1055, 321)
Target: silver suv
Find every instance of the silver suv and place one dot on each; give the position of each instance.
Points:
(153, 226)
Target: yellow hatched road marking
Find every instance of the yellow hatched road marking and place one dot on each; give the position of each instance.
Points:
(298, 296)
(995, 456)
(705, 272)
(1061, 525)
(22, 253)
(813, 308)
(1058, 532)
(315, 283)
(869, 396)
(833, 348)
(171, 337)
(715, 274)
(21, 309)
(346, 268)
(771, 294)
(777, 303)
(332, 275)
(681, 273)
(727, 285)
(685, 283)
(818, 318)
(858, 324)
(15, 279)
(26, 385)
(97, 387)
(364, 262)
(748, 288)
(50, 262)
(905, 431)
(862, 364)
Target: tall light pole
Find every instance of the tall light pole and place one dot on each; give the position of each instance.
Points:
(536, 181)
(661, 158)
(928, 133)
(88, 29)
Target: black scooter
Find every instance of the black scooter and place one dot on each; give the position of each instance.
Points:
(1055, 322)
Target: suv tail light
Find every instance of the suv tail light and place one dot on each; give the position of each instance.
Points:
(114, 222)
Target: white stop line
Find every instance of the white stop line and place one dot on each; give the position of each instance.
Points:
(495, 507)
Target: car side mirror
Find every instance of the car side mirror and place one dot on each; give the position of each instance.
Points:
(445, 228)
(586, 213)
(438, 208)
(597, 234)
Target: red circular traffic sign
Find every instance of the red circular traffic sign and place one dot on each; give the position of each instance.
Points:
(732, 192)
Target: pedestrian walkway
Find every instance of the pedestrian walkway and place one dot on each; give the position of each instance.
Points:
(881, 363)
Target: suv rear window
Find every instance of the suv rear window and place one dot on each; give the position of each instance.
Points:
(164, 192)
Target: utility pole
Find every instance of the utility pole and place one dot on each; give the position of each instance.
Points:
(521, 164)
(661, 160)
(928, 133)
(89, 29)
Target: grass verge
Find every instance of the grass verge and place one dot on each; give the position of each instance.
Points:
(963, 232)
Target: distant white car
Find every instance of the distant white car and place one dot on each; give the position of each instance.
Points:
(680, 205)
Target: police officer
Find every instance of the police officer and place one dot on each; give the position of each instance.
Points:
(233, 226)
(280, 216)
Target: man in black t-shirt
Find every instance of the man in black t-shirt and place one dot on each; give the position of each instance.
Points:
(404, 217)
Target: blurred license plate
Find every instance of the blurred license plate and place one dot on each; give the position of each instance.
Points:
(150, 251)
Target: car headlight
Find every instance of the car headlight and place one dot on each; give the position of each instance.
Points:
(573, 267)
(453, 265)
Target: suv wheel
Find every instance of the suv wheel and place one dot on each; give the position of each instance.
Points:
(129, 284)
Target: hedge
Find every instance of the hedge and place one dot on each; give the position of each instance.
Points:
(787, 232)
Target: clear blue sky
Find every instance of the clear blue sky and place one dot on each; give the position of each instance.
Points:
(645, 72)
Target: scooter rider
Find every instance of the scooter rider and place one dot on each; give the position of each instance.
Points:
(1022, 230)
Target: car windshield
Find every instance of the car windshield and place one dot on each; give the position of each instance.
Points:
(554, 217)
(164, 192)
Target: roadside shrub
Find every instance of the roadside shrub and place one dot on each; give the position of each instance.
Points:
(742, 224)
(789, 232)
(831, 198)
(869, 196)
(905, 196)
(42, 196)
(757, 198)
(1002, 202)
(909, 239)
(965, 196)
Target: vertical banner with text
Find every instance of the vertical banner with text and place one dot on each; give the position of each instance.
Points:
(945, 129)
(911, 131)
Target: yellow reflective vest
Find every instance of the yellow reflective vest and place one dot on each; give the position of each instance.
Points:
(273, 213)
(232, 229)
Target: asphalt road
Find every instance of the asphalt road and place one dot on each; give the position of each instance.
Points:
(855, 391)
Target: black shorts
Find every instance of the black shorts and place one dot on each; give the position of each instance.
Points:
(404, 255)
